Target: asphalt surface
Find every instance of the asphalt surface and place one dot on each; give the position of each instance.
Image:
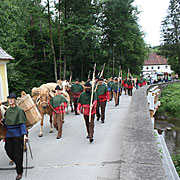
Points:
(72, 157)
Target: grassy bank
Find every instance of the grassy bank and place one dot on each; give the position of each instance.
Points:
(170, 102)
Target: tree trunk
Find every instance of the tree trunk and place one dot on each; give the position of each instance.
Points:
(82, 69)
(65, 39)
(51, 39)
(59, 29)
(44, 50)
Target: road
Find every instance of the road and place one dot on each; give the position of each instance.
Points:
(72, 157)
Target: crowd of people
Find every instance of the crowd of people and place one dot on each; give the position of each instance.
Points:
(86, 100)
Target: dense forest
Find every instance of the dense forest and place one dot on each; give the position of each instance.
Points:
(51, 39)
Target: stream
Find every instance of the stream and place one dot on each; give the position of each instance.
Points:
(170, 129)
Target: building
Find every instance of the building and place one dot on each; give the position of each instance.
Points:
(4, 59)
(156, 64)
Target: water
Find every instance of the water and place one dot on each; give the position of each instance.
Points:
(170, 129)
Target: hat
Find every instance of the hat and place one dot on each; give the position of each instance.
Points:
(115, 78)
(58, 87)
(101, 79)
(97, 77)
(76, 79)
(12, 95)
(88, 84)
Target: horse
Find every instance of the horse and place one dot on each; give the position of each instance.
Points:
(66, 88)
(42, 102)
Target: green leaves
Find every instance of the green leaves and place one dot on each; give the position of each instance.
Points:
(170, 102)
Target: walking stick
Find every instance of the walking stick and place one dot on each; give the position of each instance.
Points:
(92, 93)
(70, 79)
(89, 74)
(100, 75)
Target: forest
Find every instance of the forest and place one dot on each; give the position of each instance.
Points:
(52, 39)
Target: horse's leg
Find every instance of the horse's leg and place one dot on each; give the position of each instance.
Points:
(41, 127)
(51, 126)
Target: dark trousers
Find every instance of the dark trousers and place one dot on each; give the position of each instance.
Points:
(89, 125)
(130, 91)
(75, 104)
(14, 149)
(58, 122)
(116, 98)
(101, 105)
(111, 94)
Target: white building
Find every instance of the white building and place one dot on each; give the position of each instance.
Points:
(156, 64)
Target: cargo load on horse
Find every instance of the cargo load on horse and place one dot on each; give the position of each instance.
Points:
(30, 109)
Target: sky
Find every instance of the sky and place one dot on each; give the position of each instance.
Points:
(152, 14)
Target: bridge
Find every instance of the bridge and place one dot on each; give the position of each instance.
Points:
(125, 147)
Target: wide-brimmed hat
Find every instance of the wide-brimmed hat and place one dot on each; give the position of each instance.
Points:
(101, 79)
(88, 84)
(12, 95)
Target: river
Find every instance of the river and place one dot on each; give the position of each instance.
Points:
(170, 129)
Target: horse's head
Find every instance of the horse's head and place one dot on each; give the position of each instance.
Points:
(44, 97)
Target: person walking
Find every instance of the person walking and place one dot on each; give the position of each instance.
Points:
(58, 104)
(84, 107)
(110, 83)
(76, 90)
(16, 134)
(103, 97)
(116, 91)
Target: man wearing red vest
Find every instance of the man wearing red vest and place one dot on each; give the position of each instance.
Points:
(103, 96)
(84, 105)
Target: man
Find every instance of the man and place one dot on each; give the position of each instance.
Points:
(124, 83)
(76, 89)
(110, 83)
(84, 105)
(58, 103)
(130, 86)
(116, 91)
(103, 96)
(16, 135)
(142, 81)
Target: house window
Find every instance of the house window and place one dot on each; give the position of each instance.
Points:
(152, 67)
(158, 67)
(166, 67)
(147, 67)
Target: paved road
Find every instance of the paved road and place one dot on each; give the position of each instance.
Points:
(72, 157)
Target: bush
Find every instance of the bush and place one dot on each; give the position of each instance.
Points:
(170, 101)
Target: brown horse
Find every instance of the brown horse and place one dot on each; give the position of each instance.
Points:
(44, 108)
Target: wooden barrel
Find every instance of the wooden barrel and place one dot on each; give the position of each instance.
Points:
(30, 109)
(2, 131)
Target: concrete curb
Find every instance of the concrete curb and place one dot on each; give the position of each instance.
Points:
(140, 151)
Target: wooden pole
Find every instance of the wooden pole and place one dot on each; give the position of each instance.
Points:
(92, 93)
(100, 75)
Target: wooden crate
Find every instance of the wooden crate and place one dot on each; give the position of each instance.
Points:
(30, 109)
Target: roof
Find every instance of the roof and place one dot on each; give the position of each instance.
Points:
(4, 55)
(154, 59)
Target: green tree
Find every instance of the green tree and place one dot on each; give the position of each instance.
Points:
(170, 35)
